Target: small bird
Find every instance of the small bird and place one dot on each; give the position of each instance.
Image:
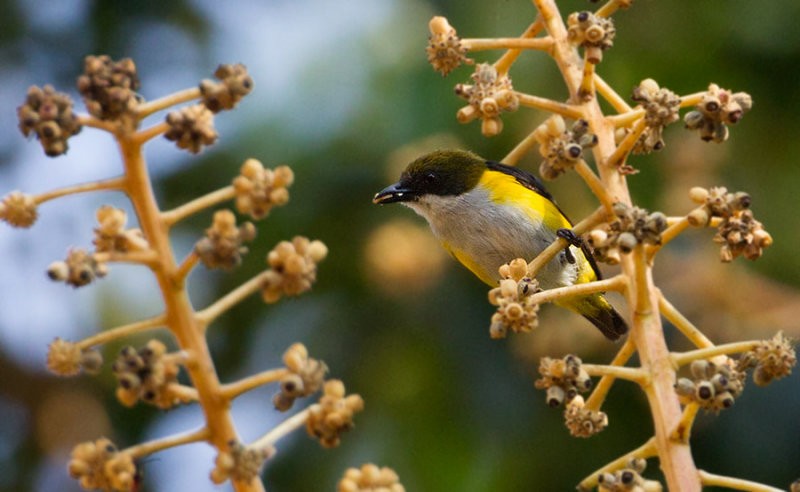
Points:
(486, 214)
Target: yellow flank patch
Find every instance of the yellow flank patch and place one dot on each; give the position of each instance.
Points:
(505, 189)
(468, 262)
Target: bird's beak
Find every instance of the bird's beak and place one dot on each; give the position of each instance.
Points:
(394, 193)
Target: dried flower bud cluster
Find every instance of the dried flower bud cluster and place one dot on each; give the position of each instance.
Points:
(445, 51)
(633, 226)
(78, 269)
(259, 189)
(68, 359)
(661, 109)
(563, 379)
(293, 268)
(234, 83)
(772, 359)
(99, 465)
(562, 148)
(489, 94)
(109, 88)
(48, 115)
(111, 234)
(222, 246)
(18, 209)
(595, 34)
(516, 310)
(714, 385)
(306, 376)
(739, 233)
(581, 421)
(628, 479)
(240, 462)
(717, 109)
(370, 478)
(149, 374)
(333, 415)
(191, 128)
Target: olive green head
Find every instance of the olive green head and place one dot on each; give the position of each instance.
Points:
(442, 173)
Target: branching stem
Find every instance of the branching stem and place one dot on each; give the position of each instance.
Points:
(633, 374)
(232, 390)
(682, 323)
(536, 102)
(683, 358)
(108, 184)
(284, 428)
(237, 295)
(734, 483)
(171, 217)
(646, 450)
(477, 44)
(122, 331)
(598, 396)
(170, 100)
(610, 95)
(617, 283)
(148, 448)
(509, 57)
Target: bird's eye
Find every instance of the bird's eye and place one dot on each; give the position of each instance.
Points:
(431, 178)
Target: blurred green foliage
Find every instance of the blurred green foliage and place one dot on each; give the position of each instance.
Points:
(446, 407)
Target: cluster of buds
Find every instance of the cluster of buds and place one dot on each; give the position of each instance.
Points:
(111, 234)
(69, 359)
(771, 359)
(717, 109)
(489, 94)
(240, 462)
(191, 128)
(48, 115)
(582, 421)
(739, 233)
(18, 209)
(234, 83)
(305, 377)
(714, 385)
(109, 88)
(445, 51)
(516, 310)
(78, 269)
(595, 34)
(633, 226)
(293, 268)
(222, 246)
(563, 379)
(333, 415)
(149, 374)
(628, 479)
(258, 189)
(660, 109)
(562, 148)
(99, 465)
(370, 478)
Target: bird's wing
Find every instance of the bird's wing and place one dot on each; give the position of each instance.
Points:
(533, 183)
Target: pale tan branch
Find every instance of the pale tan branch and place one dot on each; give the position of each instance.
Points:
(598, 396)
(683, 358)
(683, 431)
(734, 483)
(150, 107)
(682, 323)
(477, 44)
(148, 448)
(609, 94)
(122, 331)
(237, 295)
(171, 217)
(108, 184)
(646, 450)
(509, 57)
(286, 427)
(536, 102)
(232, 390)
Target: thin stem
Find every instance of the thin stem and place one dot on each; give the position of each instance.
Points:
(616, 283)
(107, 184)
(232, 390)
(284, 428)
(594, 184)
(122, 331)
(186, 266)
(477, 44)
(598, 396)
(734, 483)
(186, 95)
(608, 8)
(522, 148)
(646, 450)
(609, 94)
(171, 217)
(146, 257)
(92, 122)
(237, 295)
(634, 374)
(682, 323)
(642, 285)
(509, 57)
(692, 99)
(586, 90)
(627, 118)
(148, 448)
(151, 132)
(624, 148)
(566, 110)
(683, 431)
(683, 358)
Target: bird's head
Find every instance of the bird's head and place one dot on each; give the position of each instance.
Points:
(440, 173)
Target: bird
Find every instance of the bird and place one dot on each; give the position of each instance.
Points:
(486, 214)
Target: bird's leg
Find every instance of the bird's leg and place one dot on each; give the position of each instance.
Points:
(573, 240)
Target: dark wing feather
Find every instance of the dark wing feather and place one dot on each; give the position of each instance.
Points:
(533, 183)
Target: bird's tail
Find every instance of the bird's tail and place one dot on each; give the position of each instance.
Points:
(596, 309)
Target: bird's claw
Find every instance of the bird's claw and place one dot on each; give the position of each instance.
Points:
(573, 239)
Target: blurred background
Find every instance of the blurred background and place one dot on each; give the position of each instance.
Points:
(344, 95)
